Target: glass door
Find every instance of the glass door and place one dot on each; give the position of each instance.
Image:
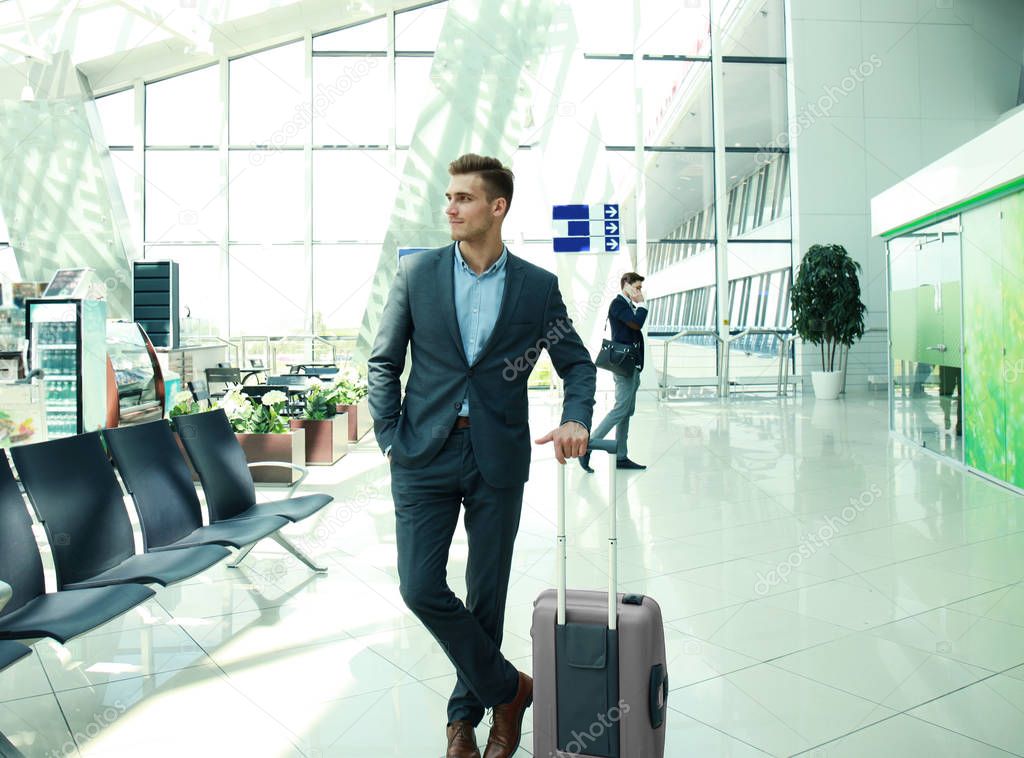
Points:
(925, 316)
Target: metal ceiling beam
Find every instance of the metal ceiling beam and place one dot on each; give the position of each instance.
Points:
(184, 23)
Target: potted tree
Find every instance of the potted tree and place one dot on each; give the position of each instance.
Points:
(828, 311)
(326, 431)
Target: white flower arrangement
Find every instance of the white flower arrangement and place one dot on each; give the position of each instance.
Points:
(274, 397)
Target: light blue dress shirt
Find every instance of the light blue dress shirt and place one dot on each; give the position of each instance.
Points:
(477, 303)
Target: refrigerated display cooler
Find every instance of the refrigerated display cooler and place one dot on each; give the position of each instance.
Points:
(68, 341)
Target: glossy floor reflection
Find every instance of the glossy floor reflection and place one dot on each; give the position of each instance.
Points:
(828, 591)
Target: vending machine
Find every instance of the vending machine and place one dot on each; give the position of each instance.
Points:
(67, 340)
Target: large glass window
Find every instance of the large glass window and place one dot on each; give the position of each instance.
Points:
(342, 279)
(418, 30)
(754, 104)
(184, 196)
(362, 37)
(680, 186)
(185, 109)
(677, 103)
(413, 89)
(269, 286)
(607, 93)
(117, 117)
(202, 286)
(353, 194)
(267, 196)
(129, 181)
(269, 104)
(280, 227)
(755, 29)
(673, 27)
(347, 105)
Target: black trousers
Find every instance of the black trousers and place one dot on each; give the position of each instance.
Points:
(427, 505)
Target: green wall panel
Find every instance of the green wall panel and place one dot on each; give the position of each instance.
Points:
(984, 409)
(1013, 324)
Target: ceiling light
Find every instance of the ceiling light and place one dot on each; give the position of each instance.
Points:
(27, 94)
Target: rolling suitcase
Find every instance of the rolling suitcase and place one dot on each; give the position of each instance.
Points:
(600, 682)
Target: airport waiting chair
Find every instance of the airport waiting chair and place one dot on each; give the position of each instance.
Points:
(158, 479)
(296, 386)
(200, 392)
(71, 485)
(11, 652)
(222, 375)
(219, 460)
(31, 613)
(257, 371)
(324, 372)
(257, 391)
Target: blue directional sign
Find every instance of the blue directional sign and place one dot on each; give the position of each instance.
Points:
(572, 244)
(575, 225)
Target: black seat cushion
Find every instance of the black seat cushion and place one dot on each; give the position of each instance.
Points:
(236, 532)
(165, 567)
(63, 615)
(293, 509)
(11, 652)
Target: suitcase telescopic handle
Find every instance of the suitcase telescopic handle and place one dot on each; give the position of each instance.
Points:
(610, 447)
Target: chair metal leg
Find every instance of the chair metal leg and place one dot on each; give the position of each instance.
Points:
(241, 555)
(283, 541)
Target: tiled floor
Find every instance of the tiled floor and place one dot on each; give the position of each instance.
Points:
(827, 591)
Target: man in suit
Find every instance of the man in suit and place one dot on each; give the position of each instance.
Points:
(626, 315)
(476, 318)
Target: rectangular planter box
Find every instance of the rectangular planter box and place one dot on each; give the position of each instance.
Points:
(359, 421)
(326, 439)
(289, 446)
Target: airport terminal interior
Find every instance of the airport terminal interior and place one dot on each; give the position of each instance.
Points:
(203, 205)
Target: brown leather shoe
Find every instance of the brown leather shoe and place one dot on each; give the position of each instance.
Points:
(507, 728)
(461, 741)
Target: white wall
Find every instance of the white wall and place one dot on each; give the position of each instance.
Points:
(932, 78)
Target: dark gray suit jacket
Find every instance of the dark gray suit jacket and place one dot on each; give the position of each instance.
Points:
(421, 311)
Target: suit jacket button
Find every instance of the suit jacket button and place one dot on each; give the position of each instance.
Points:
(470, 373)
(458, 406)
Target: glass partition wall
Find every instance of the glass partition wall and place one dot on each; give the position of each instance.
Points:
(925, 324)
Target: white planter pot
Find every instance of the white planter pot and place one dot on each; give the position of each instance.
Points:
(827, 384)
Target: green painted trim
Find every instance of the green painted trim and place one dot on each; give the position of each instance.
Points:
(1007, 188)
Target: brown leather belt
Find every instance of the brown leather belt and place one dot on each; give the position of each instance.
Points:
(462, 422)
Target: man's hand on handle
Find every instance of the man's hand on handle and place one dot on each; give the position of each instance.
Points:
(570, 439)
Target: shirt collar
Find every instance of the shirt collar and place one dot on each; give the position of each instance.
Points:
(497, 266)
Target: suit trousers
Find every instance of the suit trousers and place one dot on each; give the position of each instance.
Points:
(618, 416)
(427, 505)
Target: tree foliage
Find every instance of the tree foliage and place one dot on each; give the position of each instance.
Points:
(827, 309)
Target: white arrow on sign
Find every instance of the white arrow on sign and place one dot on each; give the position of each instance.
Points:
(611, 227)
(611, 211)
